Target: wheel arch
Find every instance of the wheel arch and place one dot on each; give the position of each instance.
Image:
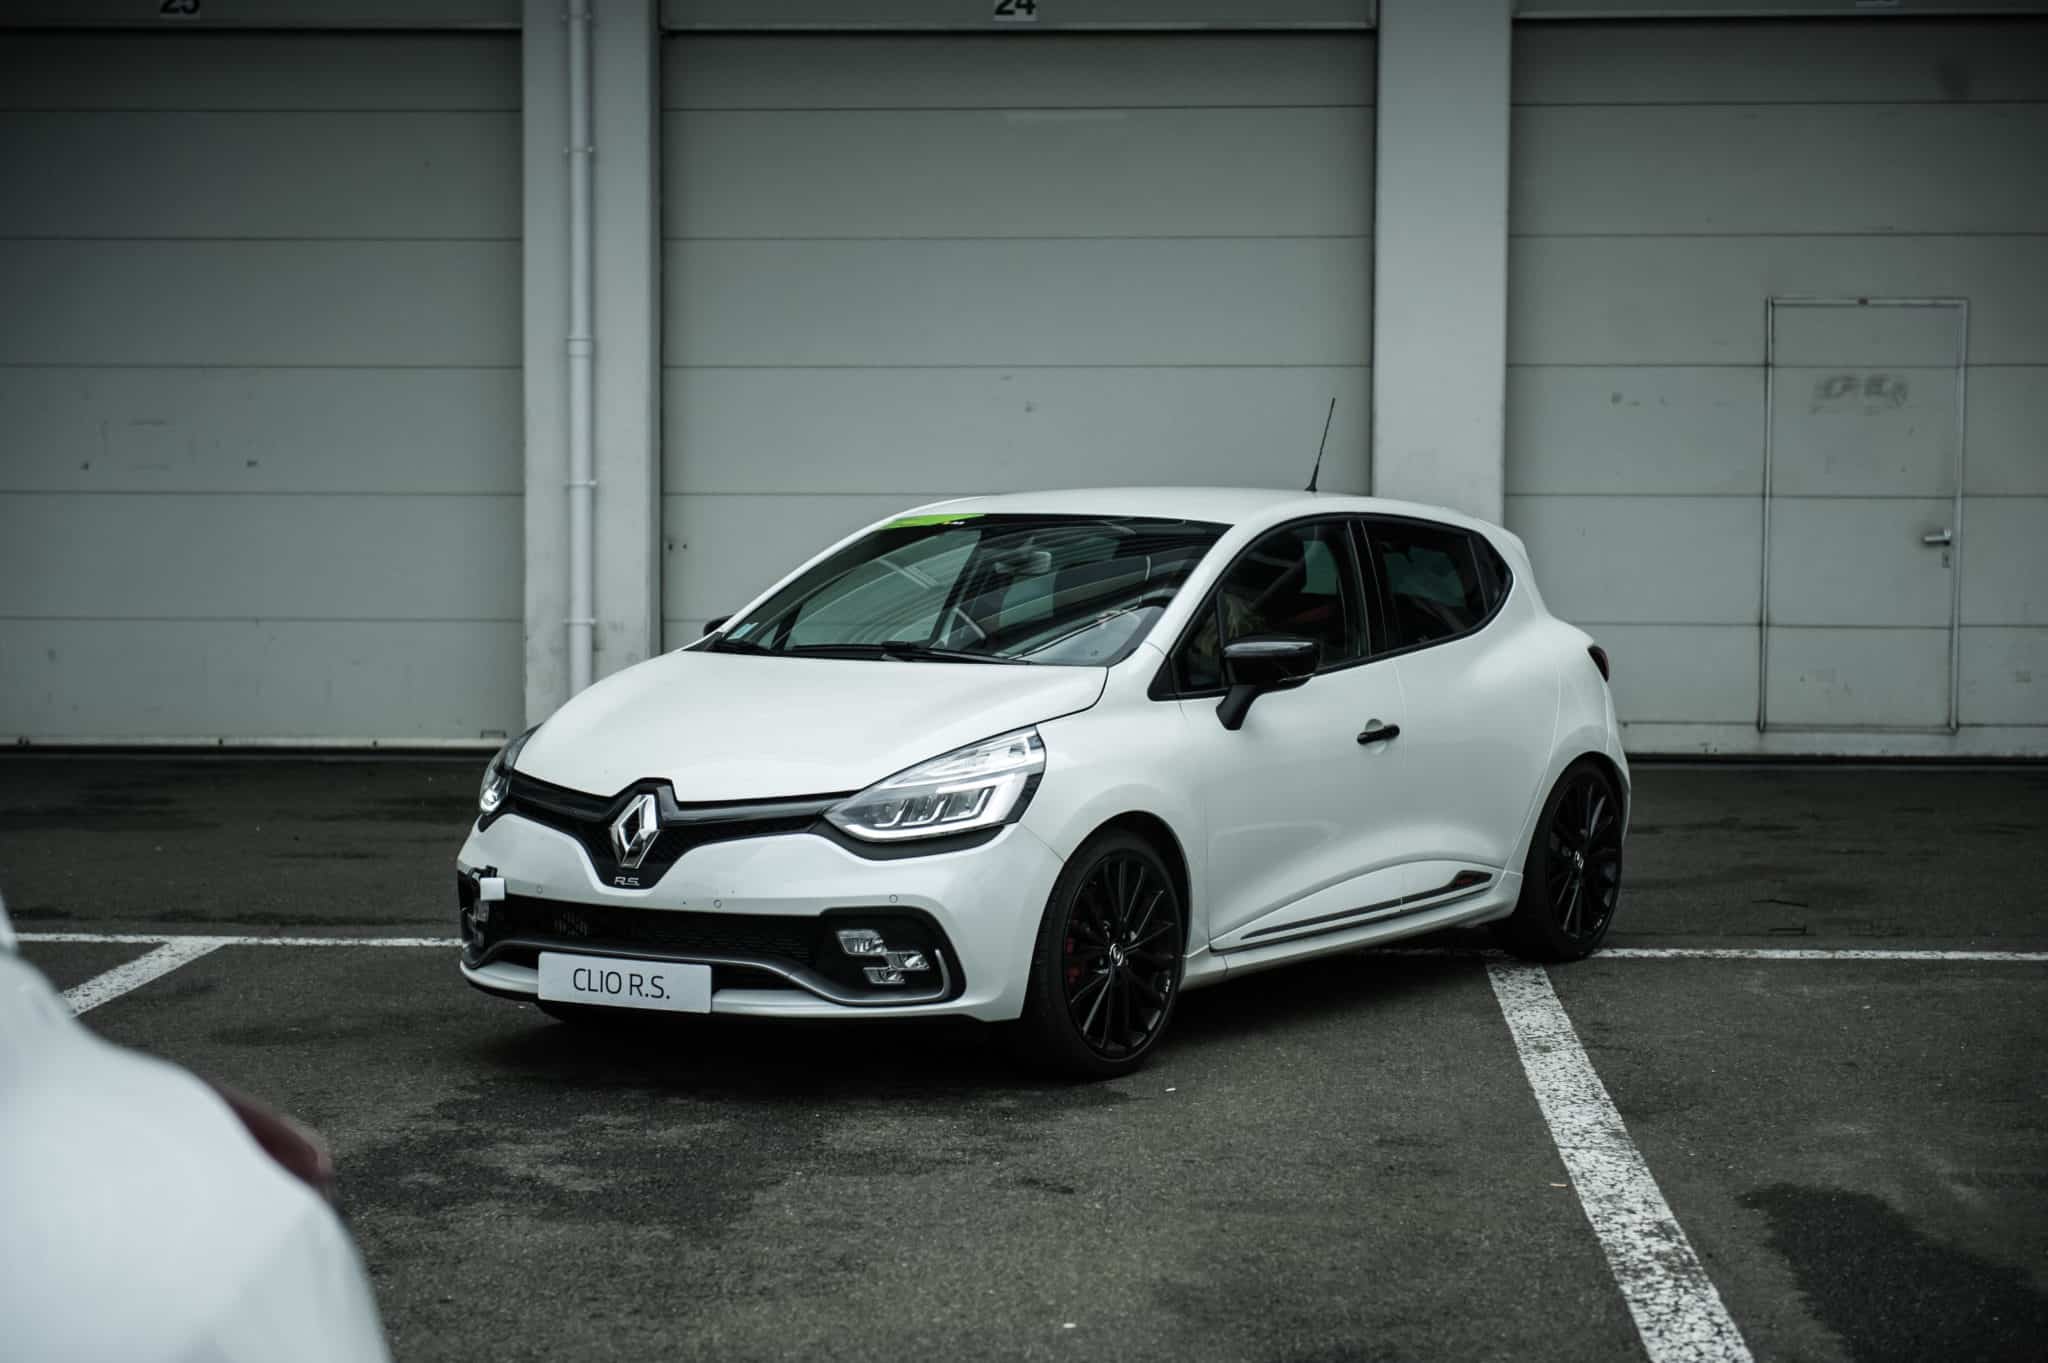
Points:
(1561, 762)
(1607, 765)
(1159, 833)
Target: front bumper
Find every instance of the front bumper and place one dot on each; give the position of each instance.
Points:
(761, 911)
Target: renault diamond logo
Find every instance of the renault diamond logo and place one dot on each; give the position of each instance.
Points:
(634, 831)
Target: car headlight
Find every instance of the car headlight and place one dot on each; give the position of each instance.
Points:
(498, 775)
(979, 786)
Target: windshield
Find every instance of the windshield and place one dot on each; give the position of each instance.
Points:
(1073, 590)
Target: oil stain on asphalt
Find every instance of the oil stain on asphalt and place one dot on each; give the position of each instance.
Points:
(1893, 1294)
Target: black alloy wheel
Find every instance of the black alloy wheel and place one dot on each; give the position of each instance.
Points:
(1106, 972)
(1571, 882)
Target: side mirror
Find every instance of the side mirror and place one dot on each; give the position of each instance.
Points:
(1259, 663)
(715, 623)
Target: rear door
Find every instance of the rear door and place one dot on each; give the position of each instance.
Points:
(1300, 814)
(1479, 700)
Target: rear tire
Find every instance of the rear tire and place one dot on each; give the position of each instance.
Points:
(1106, 969)
(1571, 880)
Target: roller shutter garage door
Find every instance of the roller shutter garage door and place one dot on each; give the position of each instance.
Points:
(901, 268)
(259, 395)
(1873, 197)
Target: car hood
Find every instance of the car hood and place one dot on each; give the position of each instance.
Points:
(734, 726)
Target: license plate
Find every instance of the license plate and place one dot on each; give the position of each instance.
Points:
(661, 985)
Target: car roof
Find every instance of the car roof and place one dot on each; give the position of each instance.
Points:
(1222, 505)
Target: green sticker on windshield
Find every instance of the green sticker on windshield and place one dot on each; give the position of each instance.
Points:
(942, 518)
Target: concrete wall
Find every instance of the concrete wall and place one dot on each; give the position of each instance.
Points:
(1440, 240)
(626, 322)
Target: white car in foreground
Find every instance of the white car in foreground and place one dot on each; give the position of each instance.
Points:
(1050, 759)
(148, 1216)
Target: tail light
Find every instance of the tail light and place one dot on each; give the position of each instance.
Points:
(297, 1150)
(1599, 657)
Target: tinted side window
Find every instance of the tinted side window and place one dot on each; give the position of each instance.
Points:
(1432, 580)
(1494, 569)
(1300, 580)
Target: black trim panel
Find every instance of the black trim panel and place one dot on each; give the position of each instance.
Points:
(588, 818)
(1469, 882)
(801, 951)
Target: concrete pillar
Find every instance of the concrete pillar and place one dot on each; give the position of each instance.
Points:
(625, 122)
(1440, 238)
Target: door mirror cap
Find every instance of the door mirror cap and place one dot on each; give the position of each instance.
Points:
(715, 623)
(1270, 661)
(1259, 663)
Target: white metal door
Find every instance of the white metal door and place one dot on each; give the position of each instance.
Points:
(261, 476)
(1862, 513)
(902, 267)
(1668, 178)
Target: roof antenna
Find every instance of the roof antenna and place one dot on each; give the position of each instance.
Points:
(1317, 472)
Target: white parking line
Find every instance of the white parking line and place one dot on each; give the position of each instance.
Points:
(1676, 1308)
(140, 938)
(1809, 954)
(140, 971)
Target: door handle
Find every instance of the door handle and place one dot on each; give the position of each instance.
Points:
(1939, 537)
(1379, 733)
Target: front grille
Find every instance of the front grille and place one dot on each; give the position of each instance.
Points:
(789, 939)
(588, 819)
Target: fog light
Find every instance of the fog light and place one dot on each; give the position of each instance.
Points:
(894, 965)
(862, 942)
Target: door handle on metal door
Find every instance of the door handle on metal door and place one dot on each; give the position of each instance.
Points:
(1376, 732)
(1939, 537)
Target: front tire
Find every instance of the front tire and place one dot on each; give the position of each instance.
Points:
(1571, 881)
(1106, 969)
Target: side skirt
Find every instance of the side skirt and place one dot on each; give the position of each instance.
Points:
(1489, 902)
(1461, 886)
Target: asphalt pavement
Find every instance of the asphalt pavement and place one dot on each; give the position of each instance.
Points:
(1341, 1160)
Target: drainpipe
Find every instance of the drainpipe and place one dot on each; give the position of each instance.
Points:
(582, 481)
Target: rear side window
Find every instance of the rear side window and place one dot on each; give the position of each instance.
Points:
(1494, 569)
(1435, 582)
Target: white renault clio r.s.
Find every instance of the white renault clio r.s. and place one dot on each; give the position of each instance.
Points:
(1049, 759)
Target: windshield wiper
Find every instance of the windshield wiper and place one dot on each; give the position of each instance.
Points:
(904, 650)
(927, 653)
(725, 645)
